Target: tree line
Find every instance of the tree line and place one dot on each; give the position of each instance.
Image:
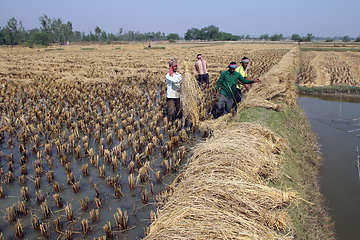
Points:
(56, 31)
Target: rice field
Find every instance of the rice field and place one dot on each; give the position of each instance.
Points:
(329, 68)
(86, 147)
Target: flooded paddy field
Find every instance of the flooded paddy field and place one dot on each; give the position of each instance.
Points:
(85, 141)
(336, 121)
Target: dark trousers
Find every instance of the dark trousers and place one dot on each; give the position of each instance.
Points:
(173, 109)
(203, 78)
(224, 105)
(238, 95)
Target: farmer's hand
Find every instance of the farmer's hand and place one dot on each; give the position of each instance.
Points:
(257, 80)
(217, 94)
(247, 86)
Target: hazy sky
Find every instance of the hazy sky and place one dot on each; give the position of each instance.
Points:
(323, 18)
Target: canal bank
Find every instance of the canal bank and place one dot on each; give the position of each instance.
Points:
(255, 177)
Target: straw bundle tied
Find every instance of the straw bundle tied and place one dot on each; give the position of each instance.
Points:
(277, 85)
(191, 94)
(223, 193)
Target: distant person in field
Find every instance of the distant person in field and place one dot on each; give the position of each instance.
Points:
(173, 80)
(242, 69)
(149, 45)
(226, 88)
(201, 68)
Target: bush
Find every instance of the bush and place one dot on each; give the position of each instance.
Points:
(41, 38)
(29, 44)
(171, 40)
(357, 39)
(108, 42)
(329, 40)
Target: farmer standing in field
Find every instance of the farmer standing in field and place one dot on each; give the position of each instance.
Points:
(242, 69)
(201, 68)
(173, 80)
(226, 88)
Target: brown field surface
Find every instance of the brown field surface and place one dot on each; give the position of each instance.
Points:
(107, 62)
(85, 127)
(327, 68)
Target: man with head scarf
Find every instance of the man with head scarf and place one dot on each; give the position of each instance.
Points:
(201, 68)
(242, 69)
(226, 88)
(173, 80)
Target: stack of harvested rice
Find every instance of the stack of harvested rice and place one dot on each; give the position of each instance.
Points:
(277, 85)
(223, 193)
(191, 94)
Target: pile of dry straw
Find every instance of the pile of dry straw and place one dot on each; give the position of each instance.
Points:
(191, 94)
(277, 85)
(223, 192)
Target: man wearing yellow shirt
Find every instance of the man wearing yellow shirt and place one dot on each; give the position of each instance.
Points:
(242, 69)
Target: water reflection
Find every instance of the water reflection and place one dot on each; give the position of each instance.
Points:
(336, 121)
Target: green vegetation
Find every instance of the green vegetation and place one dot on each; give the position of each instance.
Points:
(154, 47)
(346, 39)
(210, 33)
(173, 36)
(196, 46)
(329, 89)
(55, 31)
(301, 168)
(88, 48)
(276, 37)
(296, 37)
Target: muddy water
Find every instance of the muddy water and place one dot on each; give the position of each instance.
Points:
(130, 200)
(336, 121)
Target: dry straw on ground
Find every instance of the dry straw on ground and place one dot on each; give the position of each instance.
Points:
(223, 191)
(277, 85)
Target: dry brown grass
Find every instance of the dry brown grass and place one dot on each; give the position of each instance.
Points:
(106, 82)
(191, 94)
(277, 85)
(320, 68)
(223, 191)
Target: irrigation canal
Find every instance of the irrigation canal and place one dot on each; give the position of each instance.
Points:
(336, 121)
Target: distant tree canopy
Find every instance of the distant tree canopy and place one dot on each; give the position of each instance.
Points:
(296, 37)
(309, 37)
(55, 31)
(276, 37)
(264, 37)
(209, 33)
(173, 36)
(346, 39)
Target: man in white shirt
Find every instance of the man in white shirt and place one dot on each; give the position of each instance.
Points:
(173, 80)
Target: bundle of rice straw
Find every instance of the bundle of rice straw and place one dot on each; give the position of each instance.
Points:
(190, 95)
(277, 85)
(223, 193)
